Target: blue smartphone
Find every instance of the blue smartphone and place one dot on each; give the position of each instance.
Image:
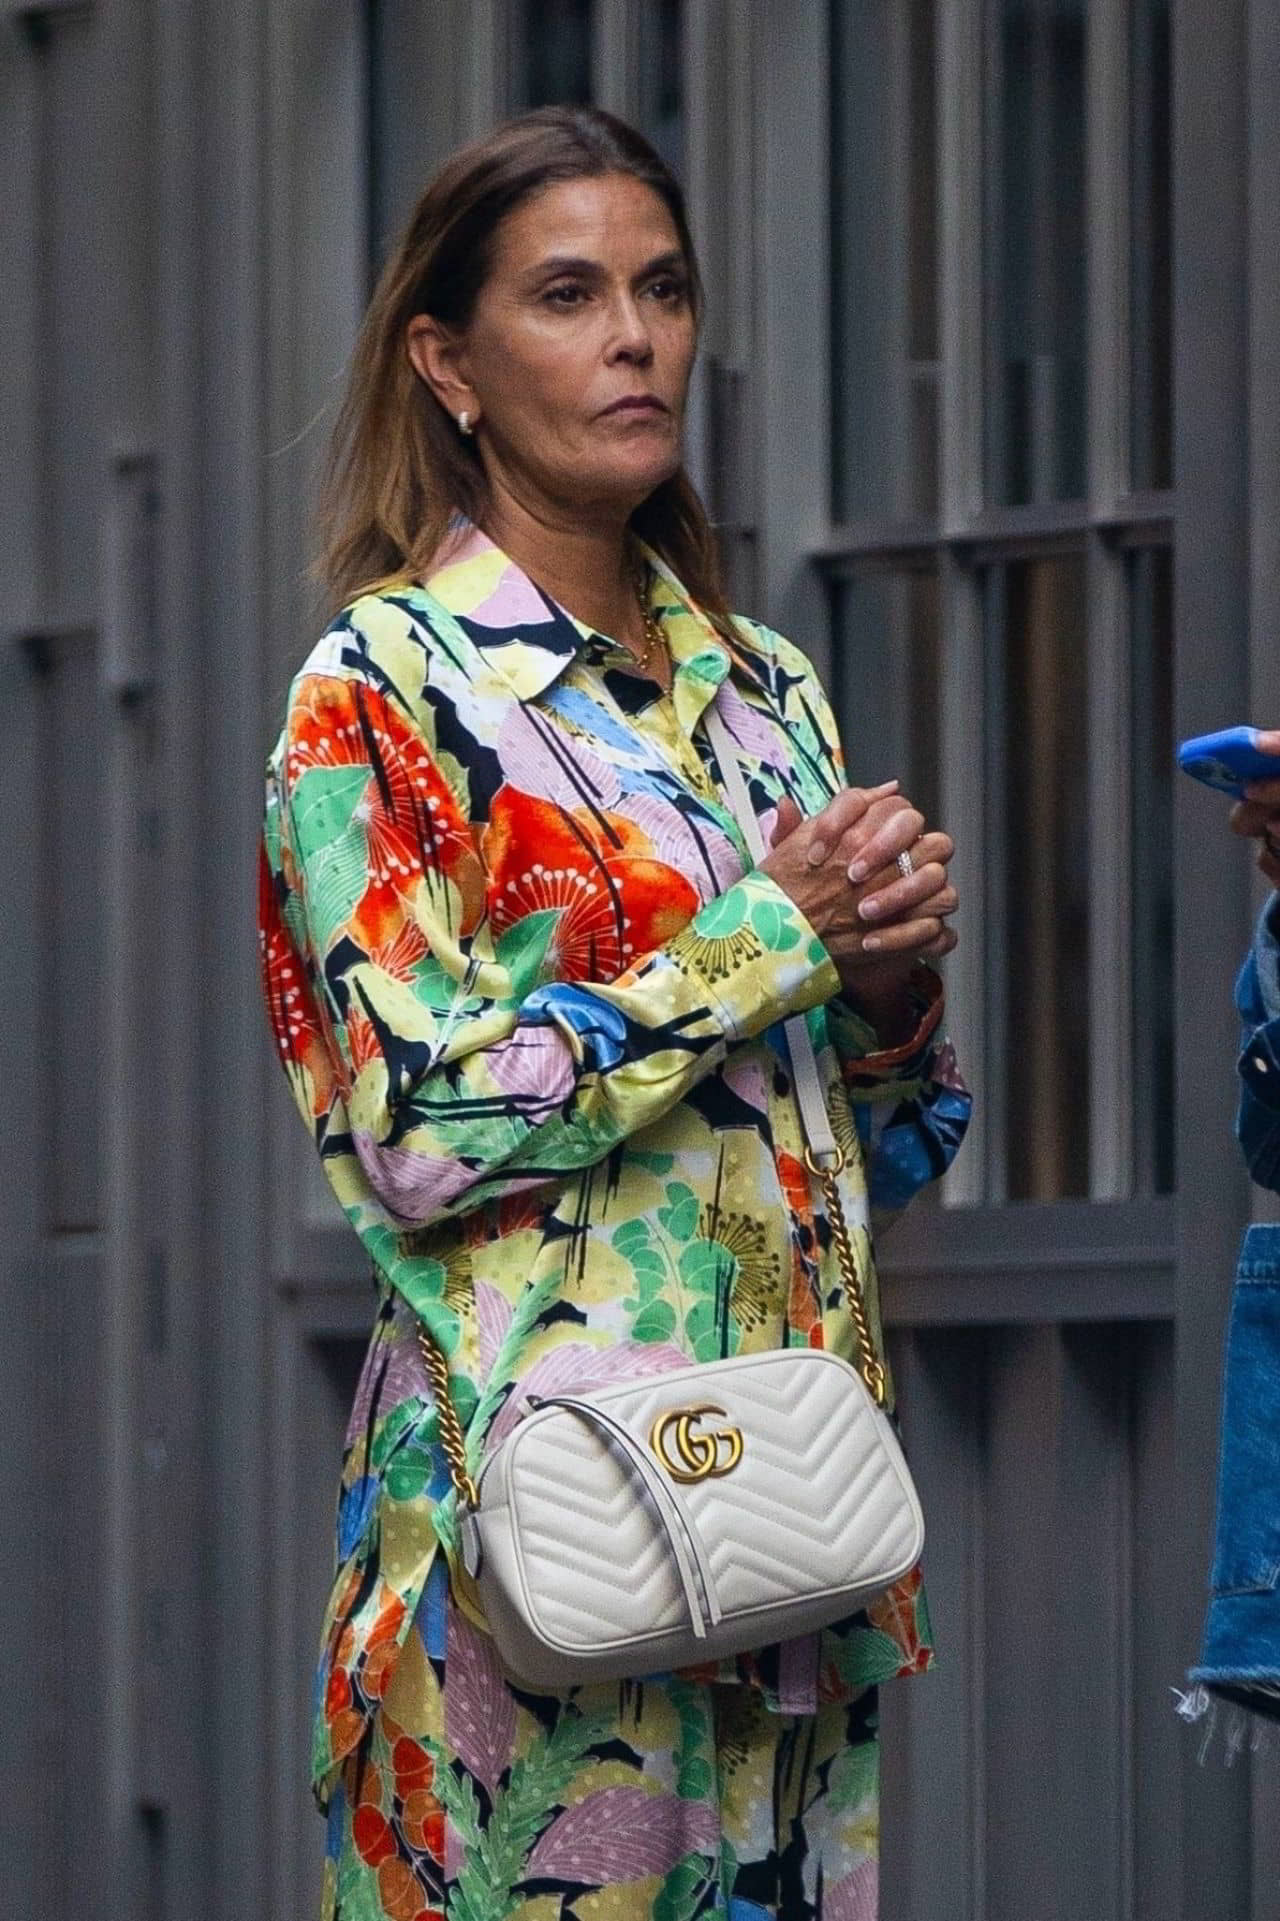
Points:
(1229, 760)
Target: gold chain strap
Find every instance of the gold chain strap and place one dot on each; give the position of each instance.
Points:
(451, 1438)
(872, 1367)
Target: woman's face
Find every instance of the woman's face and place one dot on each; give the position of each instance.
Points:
(576, 361)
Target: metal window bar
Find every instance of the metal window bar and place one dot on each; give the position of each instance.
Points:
(967, 537)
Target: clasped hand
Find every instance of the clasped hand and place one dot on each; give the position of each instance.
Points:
(840, 869)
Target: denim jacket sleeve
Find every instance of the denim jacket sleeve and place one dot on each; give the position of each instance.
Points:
(1258, 1003)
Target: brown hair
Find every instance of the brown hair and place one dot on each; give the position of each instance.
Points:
(399, 470)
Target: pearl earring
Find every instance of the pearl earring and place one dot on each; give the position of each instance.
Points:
(464, 422)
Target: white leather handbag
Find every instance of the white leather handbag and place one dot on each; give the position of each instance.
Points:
(691, 1515)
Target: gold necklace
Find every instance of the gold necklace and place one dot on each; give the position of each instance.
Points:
(653, 634)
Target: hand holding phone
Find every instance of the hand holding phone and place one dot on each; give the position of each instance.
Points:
(1244, 762)
(1230, 760)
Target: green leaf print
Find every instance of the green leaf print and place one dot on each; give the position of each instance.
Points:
(680, 1896)
(708, 1271)
(522, 950)
(630, 1236)
(456, 1795)
(852, 1778)
(358, 1897)
(723, 915)
(647, 1260)
(494, 1862)
(337, 877)
(434, 985)
(680, 1215)
(776, 929)
(693, 1769)
(655, 1323)
(684, 1887)
(392, 1431)
(653, 1318)
(323, 803)
(656, 1164)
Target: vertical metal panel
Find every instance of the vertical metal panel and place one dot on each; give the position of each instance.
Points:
(437, 77)
(1109, 752)
(1020, 1838)
(69, 845)
(180, 990)
(134, 1597)
(1264, 372)
(20, 334)
(225, 770)
(966, 730)
(792, 422)
(1211, 588)
(721, 154)
(615, 45)
(29, 1828)
(935, 1759)
(1090, 1543)
(1158, 1651)
(74, 113)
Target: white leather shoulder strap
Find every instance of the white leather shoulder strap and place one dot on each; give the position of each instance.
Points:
(804, 1066)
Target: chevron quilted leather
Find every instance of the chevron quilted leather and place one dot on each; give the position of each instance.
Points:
(572, 1554)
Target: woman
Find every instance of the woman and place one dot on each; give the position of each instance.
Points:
(1257, 817)
(527, 998)
(1240, 1661)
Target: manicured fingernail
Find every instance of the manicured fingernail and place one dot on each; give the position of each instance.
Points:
(872, 944)
(869, 909)
(858, 870)
(817, 853)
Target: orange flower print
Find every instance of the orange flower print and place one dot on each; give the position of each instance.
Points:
(895, 1615)
(399, 1892)
(615, 902)
(372, 1834)
(411, 817)
(295, 1019)
(412, 1765)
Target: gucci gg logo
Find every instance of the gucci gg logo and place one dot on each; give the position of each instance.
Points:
(686, 1452)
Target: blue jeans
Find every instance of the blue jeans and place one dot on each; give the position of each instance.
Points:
(1241, 1658)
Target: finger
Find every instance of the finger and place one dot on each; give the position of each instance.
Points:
(903, 936)
(893, 895)
(1268, 740)
(1270, 865)
(840, 814)
(1265, 791)
(1250, 818)
(884, 841)
(931, 850)
(787, 820)
(944, 944)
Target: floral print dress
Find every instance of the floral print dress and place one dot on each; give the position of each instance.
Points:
(527, 992)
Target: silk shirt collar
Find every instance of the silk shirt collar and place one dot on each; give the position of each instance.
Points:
(529, 639)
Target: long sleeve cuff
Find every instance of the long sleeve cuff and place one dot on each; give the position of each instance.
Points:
(857, 1042)
(756, 956)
